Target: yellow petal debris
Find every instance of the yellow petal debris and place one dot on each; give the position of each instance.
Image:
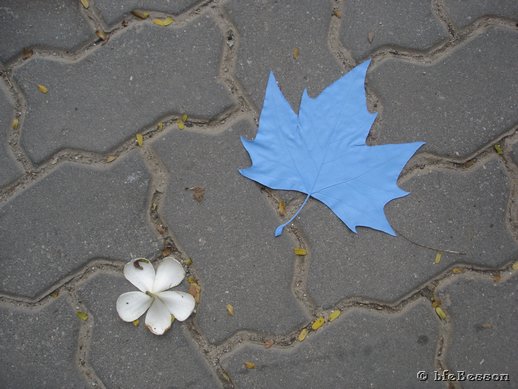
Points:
(335, 314)
(302, 334)
(438, 257)
(110, 158)
(296, 53)
(281, 208)
(160, 126)
(440, 313)
(187, 262)
(300, 251)
(140, 139)
(140, 14)
(498, 149)
(85, 4)
(82, 315)
(42, 88)
(15, 123)
(191, 280)
(515, 265)
(181, 124)
(135, 322)
(184, 117)
(249, 365)
(318, 323)
(230, 309)
(163, 22)
(101, 35)
(457, 270)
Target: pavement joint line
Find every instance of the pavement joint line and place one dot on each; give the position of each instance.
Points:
(441, 13)
(341, 54)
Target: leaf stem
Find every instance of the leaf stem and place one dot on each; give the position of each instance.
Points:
(278, 230)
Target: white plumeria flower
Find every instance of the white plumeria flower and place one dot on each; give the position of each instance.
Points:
(153, 293)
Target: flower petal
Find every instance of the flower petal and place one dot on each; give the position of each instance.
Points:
(132, 305)
(158, 318)
(169, 273)
(180, 304)
(140, 272)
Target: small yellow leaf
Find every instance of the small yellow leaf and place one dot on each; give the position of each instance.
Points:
(318, 323)
(85, 3)
(334, 314)
(135, 322)
(15, 123)
(191, 280)
(230, 310)
(160, 126)
(140, 139)
(457, 270)
(111, 158)
(181, 124)
(302, 334)
(296, 53)
(515, 265)
(42, 88)
(440, 313)
(184, 117)
(249, 365)
(498, 149)
(281, 208)
(101, 35)
(82, 315)
(140, 14)
(438, 257)
(300, 251)
(163, 22)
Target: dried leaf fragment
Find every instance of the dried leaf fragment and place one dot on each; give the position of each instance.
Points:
(497, 277)
(230, 309)
(296, 53)
(335, 314)
(249, 365)
(337, 13)
(300, 251)
(457, 270)
(438, 257)
(268, 343)
(498, 149)
(281, 208)
(15, 123)
(198, 193)
(43, 89)
(302, 334)
(140, 139)
(195, 291)
(101, 35)
(85, 4)
(110, 158)
(318, 323)
(136, 322)
(27, 53)
(436, 303)
(515, 266)
(55, 294)
(163, 22)
(440, 313)
(82, 315)
(140, 14)
(370, 36)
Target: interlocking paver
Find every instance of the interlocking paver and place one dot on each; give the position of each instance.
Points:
(138, 77)
(466, 12)
(456, 104)
(56, 24)
(514, 153)
(112, 10)
(38, 347)
(143, 360)
(9, 168)
(483, 318)
(361, 349)
(75, 214)
(369, 25)
(461, 211)
(229, 235)
(269, 31)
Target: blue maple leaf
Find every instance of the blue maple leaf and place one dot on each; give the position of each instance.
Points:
(322, 152)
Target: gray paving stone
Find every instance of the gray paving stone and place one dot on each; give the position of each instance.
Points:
(361, 349)
(139, 76)
(461, 211)
(75, 214)
(466, 12)
(409, 24)
(113, 11)
(483, 317)
(38, 347)
(453, 104)
(268, 32)
(58, 24)
(127, 357)
(229, 235)
(9, 168)
(514, 153)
